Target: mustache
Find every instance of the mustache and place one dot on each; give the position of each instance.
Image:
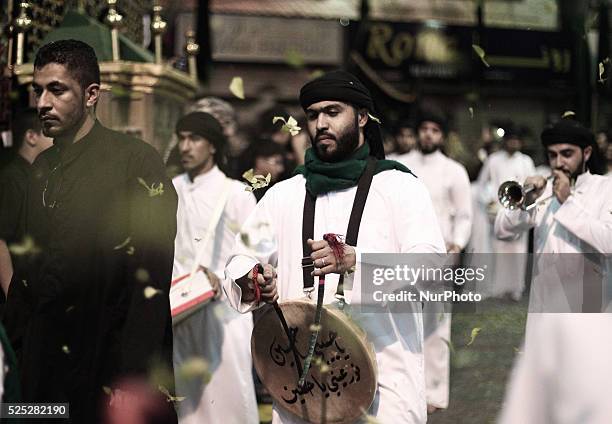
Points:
(321, 134)
(44, 116)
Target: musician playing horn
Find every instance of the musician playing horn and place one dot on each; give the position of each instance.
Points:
(572, 243)
(398, 217)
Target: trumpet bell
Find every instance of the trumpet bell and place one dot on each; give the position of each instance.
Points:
(511, 195)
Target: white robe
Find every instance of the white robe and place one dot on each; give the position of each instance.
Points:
(449, 186)
(581, 226)
(564, 374)
(510, 262)
(398, 218)
(565, 378)
(216, 333)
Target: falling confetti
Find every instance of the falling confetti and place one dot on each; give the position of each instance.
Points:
(294, 59)
(236, 87)
(123, 244)
(602, 70)
(26, 247)
(149, 292)
(290, 125)
(475, 332)
(153, 191)
(517, 350)
(256, 181)
(318, 362)
(66, 349)
(233, 226)
(130, 250)
(169, 397)
(315, 327)
(471, 110)
(107, 390)
(194, 368)
(374, 118)
(481, 54)
(245, 239)
(142, 275)
(568, 113)
(368, 419)
(316, 74)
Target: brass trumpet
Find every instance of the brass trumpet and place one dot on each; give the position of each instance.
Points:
(512, 195)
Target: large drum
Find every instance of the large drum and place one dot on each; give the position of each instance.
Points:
(341, 382)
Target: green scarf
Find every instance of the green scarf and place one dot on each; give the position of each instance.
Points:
(323, 177)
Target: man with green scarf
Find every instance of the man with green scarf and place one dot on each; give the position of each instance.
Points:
(398, 217)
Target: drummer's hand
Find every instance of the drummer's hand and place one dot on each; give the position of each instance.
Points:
(325, 262)
(267, 284)
(539, 184)
(561, 185)
(214, 282)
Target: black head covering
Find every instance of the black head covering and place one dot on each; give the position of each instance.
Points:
(345, 87)
(568, 131)
(205, 125)
(430, 115)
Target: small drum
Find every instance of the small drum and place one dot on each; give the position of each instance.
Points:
(341, 382)
(188, 294)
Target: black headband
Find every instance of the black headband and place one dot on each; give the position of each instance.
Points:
(568, 131)
(345, 87)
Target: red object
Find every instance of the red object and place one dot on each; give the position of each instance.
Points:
(256, 284)
(176, 311)
(336, 245)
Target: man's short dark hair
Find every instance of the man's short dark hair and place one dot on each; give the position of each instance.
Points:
(24, 120)
(78, 57)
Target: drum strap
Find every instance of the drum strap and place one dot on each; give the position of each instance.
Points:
(352, 233)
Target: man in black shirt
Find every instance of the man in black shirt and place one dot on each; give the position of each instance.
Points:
(29, 141)
(91, 310)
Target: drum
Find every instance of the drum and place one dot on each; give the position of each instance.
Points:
(188, 294)
(341, 382)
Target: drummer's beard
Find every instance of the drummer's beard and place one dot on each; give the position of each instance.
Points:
(343, 143)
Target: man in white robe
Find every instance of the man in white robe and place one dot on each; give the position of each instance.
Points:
(449, 187)
(398, 218)
(509, 262)
(216, 333)
(562, 377)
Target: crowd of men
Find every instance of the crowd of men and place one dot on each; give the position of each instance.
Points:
(96, 229)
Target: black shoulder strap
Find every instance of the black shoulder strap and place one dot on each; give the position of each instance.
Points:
(352, 233)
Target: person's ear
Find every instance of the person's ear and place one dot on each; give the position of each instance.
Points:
(30, 137)
(92, 94)
(362, 117)
(587, 152)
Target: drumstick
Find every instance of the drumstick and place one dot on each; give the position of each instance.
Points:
(314, 335)
(258, 269)
(337, 247)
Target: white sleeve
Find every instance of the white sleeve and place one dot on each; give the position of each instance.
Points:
(461, 197)
(509, 225)
(585, 225)
(255, 243)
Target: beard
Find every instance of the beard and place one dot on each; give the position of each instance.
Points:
(345, 143)
(428, 149)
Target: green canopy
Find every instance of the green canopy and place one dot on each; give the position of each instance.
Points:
(81, 27)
